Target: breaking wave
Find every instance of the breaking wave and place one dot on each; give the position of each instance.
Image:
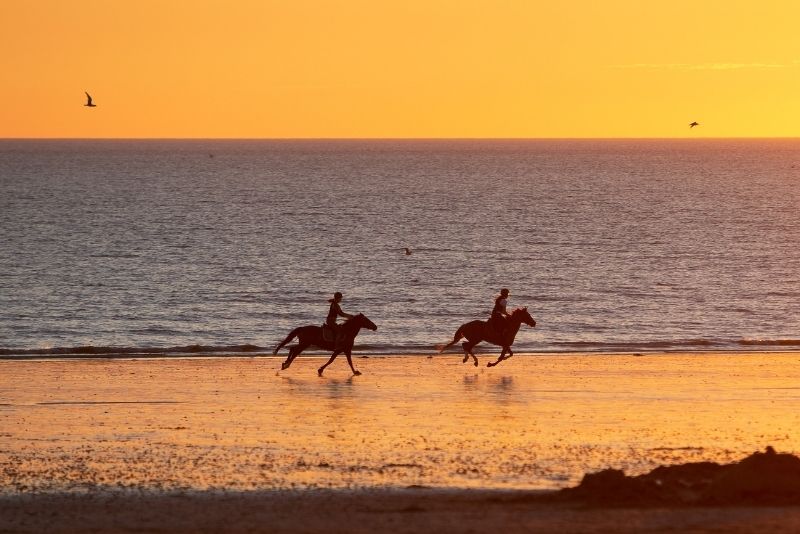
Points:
(92, 351)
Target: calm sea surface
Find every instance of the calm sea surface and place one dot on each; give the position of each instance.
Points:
(613, 245)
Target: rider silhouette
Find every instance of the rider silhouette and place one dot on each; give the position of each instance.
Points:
(333, 312)
(497, 321)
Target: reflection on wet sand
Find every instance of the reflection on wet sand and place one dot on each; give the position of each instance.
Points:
(503, 385)
(339, 389)
(534, 422)
(499, 389)
(471, 382)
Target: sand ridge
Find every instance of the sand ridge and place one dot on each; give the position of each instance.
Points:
(343, 511)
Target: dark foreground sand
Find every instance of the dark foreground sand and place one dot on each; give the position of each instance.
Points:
(761, 493)
(412, 511)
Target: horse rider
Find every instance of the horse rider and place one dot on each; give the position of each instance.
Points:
(333, 312)
(499, 314)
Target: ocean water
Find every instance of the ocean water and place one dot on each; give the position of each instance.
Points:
(226, 245)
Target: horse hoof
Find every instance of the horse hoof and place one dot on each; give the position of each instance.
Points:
(356, 373)
(284, 366)
(490, 364)
(465, 359)
(476, 363)
(319, 372)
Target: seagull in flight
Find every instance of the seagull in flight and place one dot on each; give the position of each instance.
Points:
(695, 123)
(89, 101)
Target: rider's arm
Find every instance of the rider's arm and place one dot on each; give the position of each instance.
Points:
(340, 313)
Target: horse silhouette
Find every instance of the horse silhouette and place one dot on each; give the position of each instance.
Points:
(312, 335)
(477, 331)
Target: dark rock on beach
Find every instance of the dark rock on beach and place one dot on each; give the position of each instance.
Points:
(763, 478)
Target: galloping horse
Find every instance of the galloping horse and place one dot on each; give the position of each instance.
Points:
(477, 331)
(312, 335)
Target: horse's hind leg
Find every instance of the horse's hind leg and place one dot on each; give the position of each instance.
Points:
(468, 346)
(294, 352)
(288, 361)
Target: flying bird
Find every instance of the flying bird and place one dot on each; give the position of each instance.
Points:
(408, 251)
(89, 101)
(692, 125)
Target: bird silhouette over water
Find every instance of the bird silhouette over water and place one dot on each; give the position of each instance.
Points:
(88, 103)
(693, 124)
(408, 251)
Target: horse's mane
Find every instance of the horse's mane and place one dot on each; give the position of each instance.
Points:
(519, 310)
(351, 319)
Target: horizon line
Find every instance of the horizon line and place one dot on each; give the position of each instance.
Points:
(394, 138)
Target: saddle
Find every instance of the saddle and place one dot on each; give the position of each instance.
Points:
(328, 333)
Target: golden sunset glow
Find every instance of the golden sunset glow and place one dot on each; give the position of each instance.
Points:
(354, 68)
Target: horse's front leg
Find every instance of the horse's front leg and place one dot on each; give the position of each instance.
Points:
(506, 354)
(350, 361)
(333, 357)
(499, 359)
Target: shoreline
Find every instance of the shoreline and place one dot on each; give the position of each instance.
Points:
(375, 355)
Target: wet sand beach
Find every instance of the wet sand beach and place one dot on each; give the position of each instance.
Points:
(422, 439)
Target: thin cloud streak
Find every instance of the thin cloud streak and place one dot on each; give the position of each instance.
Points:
(705, 66)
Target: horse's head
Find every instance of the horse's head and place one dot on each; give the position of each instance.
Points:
(523, 315)
(364, 322)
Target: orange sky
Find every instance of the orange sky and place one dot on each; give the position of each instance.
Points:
(411, 68)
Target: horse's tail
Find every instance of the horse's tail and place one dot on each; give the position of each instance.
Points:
(456, 338)
(290, 337)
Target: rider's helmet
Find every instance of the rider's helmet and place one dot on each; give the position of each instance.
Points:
(504, 292)
(337, 296)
